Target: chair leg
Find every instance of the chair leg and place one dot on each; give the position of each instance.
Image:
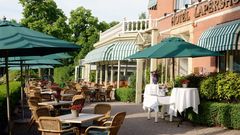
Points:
(31, 123)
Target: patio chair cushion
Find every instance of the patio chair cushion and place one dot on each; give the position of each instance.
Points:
(97, 132)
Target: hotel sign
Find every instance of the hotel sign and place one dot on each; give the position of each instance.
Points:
(212, 6)
(203, 9)
(181, 18)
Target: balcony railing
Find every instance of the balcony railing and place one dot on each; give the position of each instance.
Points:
(129, 26)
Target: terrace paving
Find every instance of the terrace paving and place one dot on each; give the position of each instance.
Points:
(136, 123)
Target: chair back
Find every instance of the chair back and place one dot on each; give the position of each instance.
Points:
(42, 111)
(69, 91)
(50, 125)
(117, 121)
(33, 104)
(79, 101)
(102, 109)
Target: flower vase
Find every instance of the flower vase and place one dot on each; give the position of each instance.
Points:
(57, 100)
(184, 85)
(75, 113)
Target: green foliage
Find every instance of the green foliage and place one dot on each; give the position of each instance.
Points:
(208, 88)
(177, 82)
(44, 16)
(14, 88)
(14, 75)
(194, 80)
(132, 81)
(125, 94)
(63, 74)
(216, 114)
(228, 87)
(221, 87)
(92, 76)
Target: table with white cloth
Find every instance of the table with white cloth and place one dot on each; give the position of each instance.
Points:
(183, 98)
(154, 97)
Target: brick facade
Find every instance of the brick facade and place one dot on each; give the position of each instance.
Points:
(194, 20)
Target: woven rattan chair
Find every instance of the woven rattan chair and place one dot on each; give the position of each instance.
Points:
(102, 109)
(110, 127)
(53, 126)
(40, 112)
(107, 93)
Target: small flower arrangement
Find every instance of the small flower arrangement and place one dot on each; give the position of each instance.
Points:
(184, 81)
(76, 107)
(57, 95)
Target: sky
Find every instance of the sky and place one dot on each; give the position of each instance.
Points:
(105, 10)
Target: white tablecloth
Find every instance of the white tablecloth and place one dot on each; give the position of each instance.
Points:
(153, 97)
(182, 98)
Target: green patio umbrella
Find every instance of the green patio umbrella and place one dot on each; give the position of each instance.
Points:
(16, 40)
(173, 47)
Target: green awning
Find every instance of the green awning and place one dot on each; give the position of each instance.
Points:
(221, 37)
(118, 50)
(123, 49)
(98, 54)
(152, 3)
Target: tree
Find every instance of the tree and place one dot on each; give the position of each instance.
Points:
(142, 15)
(44, 16)
(86, 29)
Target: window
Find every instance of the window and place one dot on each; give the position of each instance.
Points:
(180, 4)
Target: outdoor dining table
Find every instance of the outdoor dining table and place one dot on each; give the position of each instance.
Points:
(183, 98)
(55, 103)
(83, 117)
(77, 121)
(154, 97)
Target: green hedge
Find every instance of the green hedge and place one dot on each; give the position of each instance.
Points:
(14, 99)
(125, 94)
(63, 74)
(216, 114)
(221, 87)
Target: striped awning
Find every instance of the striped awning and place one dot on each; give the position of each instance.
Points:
(98, 54)
(152, 3)
(123, 49)
(222, 37)
(118, 50)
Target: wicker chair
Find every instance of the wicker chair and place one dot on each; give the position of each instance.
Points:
(102, 109)
(110, 127)
(69, 91)
(42, 111)
(53, 126)
(79, 101)
(107, 93)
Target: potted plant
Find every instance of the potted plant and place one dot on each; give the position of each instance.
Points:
(57, 95)
(184, 83)
(75, 109)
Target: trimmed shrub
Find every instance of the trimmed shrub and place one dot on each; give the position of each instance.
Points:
(14, 92)
(208, 88)
(132, 81)
(228, 87)
(216, 114)
(63, 74)
(125, 94)
(92, 76)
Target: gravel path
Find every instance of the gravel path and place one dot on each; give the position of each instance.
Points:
(136, 123)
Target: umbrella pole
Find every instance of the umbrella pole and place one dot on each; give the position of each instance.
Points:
(7, 95)
(21, 66)
(173, 71)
